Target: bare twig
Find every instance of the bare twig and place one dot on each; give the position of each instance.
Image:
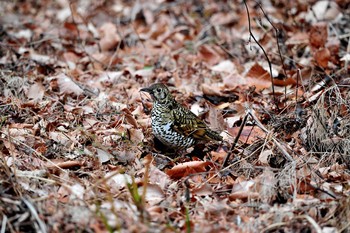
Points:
(235, 142)
(263, 50)
(34, 213)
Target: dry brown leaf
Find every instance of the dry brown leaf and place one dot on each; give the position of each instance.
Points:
(222, 18)
(257, 76)
(211, 90)
(203, 190)
(159, 177)
(109, 36)
(130, 118)
(136, 135)
(218, 156)
(249, 134)
(298, 38)
(235, 80)
(322, 57)
(216, 119)
(208, 55)
(285, 82)
(318, 35)
(185, 169)
(71, 59)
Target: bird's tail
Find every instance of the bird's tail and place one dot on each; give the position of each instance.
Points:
(213, 135)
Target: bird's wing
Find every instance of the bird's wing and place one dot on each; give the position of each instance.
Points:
(188, 124)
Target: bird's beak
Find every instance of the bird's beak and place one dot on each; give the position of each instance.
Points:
(146, 89)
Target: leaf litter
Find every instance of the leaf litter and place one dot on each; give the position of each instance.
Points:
(77, 150)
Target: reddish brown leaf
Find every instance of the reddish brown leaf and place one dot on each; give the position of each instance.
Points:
(209, 55)
(187, 168)
(318, 35)
(322, 57)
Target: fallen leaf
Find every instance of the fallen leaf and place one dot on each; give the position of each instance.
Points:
(318, 35)
(103, 156)
(264, 157)
(322, 57)
(225, 66)
(257, 76)
(203, 190)
(109, 36)
(209, 55)
(154, 194)
(249, 133)
(324, 10)
(185, 169)
(67, 86)
(36, 92)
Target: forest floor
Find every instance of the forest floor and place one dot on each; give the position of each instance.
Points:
(77, 153)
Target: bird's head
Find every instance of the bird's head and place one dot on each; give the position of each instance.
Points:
(159, 92)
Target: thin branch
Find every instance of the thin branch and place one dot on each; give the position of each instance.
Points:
(263, 50)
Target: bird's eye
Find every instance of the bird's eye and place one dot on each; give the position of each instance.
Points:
(158, 90)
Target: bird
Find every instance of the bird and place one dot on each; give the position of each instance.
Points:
(173, 124)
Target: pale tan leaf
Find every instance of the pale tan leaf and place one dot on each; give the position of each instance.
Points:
(67, 86)
(36, 92)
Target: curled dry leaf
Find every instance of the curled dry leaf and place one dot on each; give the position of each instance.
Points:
(234, 80)
(110, 76)
(100, 60)
(59, 137)
(222, 18)
(142, 73)
(20, 133)
(71, 59)
(130, 118)
(298, 38)
(216, 120)
(185, 169)
(157, 213)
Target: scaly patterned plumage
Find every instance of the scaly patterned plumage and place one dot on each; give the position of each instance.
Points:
(173, 124)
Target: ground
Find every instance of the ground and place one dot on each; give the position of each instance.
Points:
(77, 153)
